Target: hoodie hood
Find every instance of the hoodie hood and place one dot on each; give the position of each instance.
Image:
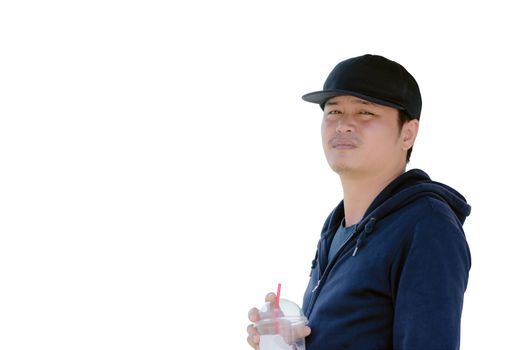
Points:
(405, 189)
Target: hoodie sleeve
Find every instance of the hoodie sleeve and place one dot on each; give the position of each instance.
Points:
(429, 279)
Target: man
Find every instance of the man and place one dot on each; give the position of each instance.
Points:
(392, 262)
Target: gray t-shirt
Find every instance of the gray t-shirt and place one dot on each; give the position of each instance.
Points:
(340, 237)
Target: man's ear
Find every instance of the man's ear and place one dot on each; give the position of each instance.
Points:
(409, 133)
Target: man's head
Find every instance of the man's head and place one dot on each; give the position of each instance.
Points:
(359, 99)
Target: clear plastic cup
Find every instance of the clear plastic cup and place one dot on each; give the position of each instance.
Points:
(281, 330)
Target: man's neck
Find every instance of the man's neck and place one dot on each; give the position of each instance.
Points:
(360, 191)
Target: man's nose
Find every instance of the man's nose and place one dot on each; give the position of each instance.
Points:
(346, 124)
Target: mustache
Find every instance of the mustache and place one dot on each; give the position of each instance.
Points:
(344, 140)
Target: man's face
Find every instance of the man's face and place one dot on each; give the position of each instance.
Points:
(362, 137)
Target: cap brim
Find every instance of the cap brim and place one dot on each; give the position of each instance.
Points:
(320, 97)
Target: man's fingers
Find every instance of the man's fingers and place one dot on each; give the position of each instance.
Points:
(252, 343)
(270, 297)
(253, 337)
(253, 314)
(306, 331)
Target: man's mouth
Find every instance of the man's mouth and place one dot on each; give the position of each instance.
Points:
(343, 144)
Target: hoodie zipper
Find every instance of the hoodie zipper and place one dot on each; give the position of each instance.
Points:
(327, 269)
(365, 230)
(316, 286)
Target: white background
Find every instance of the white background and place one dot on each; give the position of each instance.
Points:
(159, 172)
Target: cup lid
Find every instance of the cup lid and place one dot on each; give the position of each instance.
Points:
(287, 310)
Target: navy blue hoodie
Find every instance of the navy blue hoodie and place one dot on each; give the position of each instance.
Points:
(398, 281)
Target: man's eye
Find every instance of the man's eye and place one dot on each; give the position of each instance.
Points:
(332, 114)
(366, 113)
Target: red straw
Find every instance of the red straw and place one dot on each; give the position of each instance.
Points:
(276, 309)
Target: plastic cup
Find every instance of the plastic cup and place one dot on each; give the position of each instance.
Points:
(281, 331)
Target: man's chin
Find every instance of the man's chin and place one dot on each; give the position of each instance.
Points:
(343, 168)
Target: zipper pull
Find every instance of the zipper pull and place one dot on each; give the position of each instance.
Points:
(316, 286)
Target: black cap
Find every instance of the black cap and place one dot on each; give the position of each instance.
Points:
(373, 78)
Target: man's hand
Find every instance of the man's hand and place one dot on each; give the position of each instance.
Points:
(254, 316)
